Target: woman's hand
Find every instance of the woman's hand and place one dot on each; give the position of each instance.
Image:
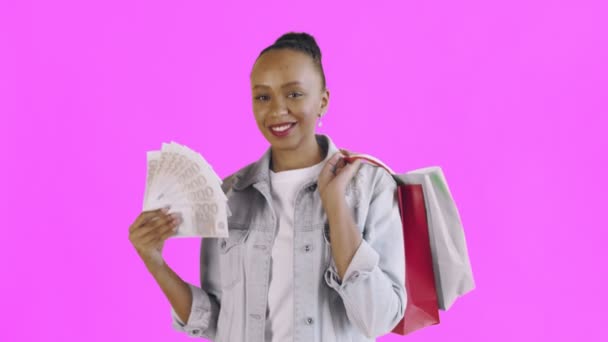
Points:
(334, 177)
(149, 232)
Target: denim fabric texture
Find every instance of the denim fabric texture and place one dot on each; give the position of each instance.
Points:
(230, 303)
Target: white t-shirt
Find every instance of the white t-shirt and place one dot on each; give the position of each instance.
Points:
(284, 185)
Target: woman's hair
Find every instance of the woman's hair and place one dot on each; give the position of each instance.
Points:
(300, 41)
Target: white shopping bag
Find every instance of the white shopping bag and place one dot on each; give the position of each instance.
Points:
(452, 268)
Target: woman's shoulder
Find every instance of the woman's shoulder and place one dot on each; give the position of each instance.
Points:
(374, 178)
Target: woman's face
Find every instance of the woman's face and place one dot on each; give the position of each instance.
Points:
(287, 98)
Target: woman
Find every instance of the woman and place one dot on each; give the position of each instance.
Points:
(315, 246)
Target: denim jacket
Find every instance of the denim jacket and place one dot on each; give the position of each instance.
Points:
(230, 305)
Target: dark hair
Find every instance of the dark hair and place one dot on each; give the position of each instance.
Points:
(300, 41)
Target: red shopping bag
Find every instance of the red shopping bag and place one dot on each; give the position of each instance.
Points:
(422, 307)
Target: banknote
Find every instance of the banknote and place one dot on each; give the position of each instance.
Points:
(181, 178)
(203, 220)
(153, 158)
(177, 161)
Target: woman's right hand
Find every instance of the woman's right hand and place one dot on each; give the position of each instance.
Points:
(149, 232)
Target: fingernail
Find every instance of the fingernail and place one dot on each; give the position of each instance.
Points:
(166, 209)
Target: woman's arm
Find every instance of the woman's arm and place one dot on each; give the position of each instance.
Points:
(369, 273)
(343, 233)
(199, 307)
(200, 317)
(198, 313)
(194, 309)
(175, 289)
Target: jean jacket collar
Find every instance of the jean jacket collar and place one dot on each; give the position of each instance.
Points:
(259, 171)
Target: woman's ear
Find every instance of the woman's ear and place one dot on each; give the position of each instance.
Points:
(324, 102)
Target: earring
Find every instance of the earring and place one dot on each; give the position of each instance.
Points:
(320, 123)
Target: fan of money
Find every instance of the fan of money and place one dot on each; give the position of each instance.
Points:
(182, 178)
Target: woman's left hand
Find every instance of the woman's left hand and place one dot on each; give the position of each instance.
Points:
(334, 177)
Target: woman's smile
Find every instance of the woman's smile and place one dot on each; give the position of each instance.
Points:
(282, 129)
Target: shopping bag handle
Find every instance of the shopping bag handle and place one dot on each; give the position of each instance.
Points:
(350, 157)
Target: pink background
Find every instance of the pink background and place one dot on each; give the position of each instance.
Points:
(508, 98)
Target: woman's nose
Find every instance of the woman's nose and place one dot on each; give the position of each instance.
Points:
(278, 108)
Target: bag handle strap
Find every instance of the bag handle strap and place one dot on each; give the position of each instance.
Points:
(350, 157)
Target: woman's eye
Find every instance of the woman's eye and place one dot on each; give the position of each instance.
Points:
(261, 98)
(295, 94)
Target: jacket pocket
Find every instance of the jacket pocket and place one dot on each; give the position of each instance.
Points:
(231, 257)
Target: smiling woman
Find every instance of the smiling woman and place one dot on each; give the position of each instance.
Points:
(289, 94)
(315, 247)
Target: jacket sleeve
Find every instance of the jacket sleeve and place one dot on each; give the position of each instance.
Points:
(206, 299)
(373, 289)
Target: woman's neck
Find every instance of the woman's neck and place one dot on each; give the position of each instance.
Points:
(306, 156)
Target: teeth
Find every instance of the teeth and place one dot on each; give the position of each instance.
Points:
(281, 128)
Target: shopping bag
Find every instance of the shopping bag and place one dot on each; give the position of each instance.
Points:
(422, 305)
(451, 264)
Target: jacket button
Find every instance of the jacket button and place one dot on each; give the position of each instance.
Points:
(312, 187)
(223, 244)
(309, 321)
(307, 248)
